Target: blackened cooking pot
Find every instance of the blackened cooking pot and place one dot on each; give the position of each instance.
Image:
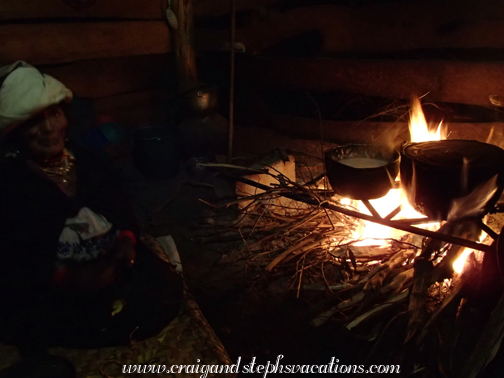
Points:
(434, 174)
(362, 171)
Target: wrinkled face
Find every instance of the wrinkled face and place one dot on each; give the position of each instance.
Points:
(43, 135)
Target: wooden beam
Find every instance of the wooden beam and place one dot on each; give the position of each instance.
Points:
(394, 133)
(109, 77)
(390, 26)
(341, 131)
(54, 9)
(67, 42)
(116, 9)
(183, 42)
(443, 81)
(215, 8)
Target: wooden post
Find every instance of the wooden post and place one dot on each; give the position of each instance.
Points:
(185, 59)
(231, 81)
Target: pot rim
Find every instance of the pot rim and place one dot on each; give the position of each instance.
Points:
(395, 153)
(422, 163)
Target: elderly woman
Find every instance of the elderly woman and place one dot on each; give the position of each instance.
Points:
(72, 270)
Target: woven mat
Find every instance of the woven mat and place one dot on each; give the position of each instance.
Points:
(185, 340)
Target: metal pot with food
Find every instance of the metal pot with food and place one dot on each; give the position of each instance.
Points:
(362, 171)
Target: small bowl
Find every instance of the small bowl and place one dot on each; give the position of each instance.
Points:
(362, 171)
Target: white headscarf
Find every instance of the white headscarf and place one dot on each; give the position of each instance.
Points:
(24, 92)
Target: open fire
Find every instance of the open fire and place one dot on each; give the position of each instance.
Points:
(373, 234)
(376, 274)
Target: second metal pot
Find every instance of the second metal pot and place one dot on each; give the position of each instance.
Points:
(435, 174)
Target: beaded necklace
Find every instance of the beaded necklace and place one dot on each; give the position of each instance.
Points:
(59, 166)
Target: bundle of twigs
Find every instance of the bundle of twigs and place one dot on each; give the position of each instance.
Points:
(405, 280)
(315, 246)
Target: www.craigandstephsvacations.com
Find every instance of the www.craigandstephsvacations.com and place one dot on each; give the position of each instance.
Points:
(333, 367)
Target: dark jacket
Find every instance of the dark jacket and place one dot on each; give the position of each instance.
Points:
(33, 211)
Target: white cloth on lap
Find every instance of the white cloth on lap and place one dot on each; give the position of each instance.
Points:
(85, 236)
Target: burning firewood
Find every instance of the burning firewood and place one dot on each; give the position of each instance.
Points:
(318, 249)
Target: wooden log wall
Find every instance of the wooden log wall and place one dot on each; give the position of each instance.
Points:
(116, 52)
(451, 51)
(383, 49)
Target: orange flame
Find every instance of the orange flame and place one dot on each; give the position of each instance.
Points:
(419, 130)
(374, 234)
(458, 265)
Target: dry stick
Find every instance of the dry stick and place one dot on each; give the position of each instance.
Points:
(329, 218)
(234, 202)
(325, 279)
(233, 166)
(403, 226)
(336, 214)
(314, 180)
(280, 228)
(264, 239)
(245, 242)
(255, 224)
(304, 250)
(279, 258)
(300, 277)
(284, 219)
(303, 221)
(303, 268)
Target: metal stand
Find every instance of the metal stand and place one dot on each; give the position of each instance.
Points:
(402, 224)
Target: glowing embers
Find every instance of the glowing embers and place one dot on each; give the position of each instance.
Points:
(373, 234)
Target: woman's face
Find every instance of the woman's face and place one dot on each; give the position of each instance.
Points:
(44, 134)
